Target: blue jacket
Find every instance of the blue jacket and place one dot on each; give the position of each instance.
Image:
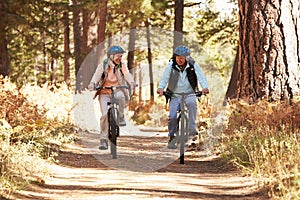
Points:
(183, 84)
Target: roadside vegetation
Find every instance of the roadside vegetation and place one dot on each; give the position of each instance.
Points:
(263, 139)
(33, 125)
(36, 121)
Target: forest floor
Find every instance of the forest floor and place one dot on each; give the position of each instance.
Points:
(144, 169)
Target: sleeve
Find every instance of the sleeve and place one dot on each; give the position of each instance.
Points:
(200, 76)
(97, 75)
(127, 75)
(165, 77)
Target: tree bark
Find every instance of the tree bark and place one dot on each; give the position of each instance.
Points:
(4, 56)
(66, 48)
(77, 44)
(231, 92)
(178, 23)
(85, 32)
(269, 50)
(101, 30)
(89, 41)
(102, 20)
(53, 72)
(131, 48)
(150, 62)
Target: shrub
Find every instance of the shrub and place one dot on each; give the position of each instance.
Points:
(28, 134)
(263, 138)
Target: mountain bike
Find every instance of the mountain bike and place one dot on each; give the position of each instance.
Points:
(182, 134)
(113, 118)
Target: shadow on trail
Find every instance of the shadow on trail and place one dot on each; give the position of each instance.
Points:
(148, 192)
(88, 178)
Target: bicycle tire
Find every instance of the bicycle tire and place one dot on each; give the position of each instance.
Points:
(182, 139)
(113, 129)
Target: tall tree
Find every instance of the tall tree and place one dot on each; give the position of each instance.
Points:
(269, 51)
(4, 57)
(131, 48)
(66, 48)
(6, 16)
(77, 35)
(150, 61)
(178, 23)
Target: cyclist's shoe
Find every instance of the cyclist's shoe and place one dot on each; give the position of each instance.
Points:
(122, 121)
(103, 144)
(193, 132)
(172, 143)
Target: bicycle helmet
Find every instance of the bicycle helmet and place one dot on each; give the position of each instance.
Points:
(115, 50)
(182, 51)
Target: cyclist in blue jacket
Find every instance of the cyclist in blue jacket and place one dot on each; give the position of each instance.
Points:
(182, 74)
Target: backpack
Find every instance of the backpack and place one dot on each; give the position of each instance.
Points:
(119, 67)
(192, 77)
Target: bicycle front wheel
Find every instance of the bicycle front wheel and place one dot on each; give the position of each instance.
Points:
(113, 131)
(182, 138)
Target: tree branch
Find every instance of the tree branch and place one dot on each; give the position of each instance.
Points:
(191, 4)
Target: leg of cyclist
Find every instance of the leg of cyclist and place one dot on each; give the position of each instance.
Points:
(172, 122)
(120, 97)
(191, 104)
(103, 99)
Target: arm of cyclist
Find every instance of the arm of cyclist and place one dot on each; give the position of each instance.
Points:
(201, 78)
(96, 78)
(128, 77)
(164, 79)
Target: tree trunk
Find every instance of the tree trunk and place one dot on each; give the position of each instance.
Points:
(102, 20)
(66, 48)
(231, 92)
(89, 41)
(77, 44)
(178, 23)
(150, 62)
(131, 48)
(101, 30)
(269, 49)
(53, 72)
(85, 32)
(4, 56)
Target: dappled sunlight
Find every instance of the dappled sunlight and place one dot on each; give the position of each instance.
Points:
(86, 111)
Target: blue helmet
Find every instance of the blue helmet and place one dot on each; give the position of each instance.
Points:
(182, 51)
(115, 50)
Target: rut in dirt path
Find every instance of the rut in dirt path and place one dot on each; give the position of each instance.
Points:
(84, 172)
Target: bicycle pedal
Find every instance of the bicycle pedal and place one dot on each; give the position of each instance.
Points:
(103, 148)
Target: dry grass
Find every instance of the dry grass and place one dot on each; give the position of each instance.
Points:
(263, 139)
(29, 131)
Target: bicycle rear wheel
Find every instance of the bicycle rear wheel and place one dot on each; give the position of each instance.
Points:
(113, 131)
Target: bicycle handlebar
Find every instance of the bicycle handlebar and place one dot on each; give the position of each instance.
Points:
(168, 93)
(111, 87)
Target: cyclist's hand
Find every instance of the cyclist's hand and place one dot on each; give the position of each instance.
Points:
(160, 91)
(91, 86)
(205, 91)
(132, 86)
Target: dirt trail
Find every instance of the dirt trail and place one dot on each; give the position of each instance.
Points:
(144, 169)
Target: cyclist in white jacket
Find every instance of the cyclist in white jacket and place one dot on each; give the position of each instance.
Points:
(112, 72)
